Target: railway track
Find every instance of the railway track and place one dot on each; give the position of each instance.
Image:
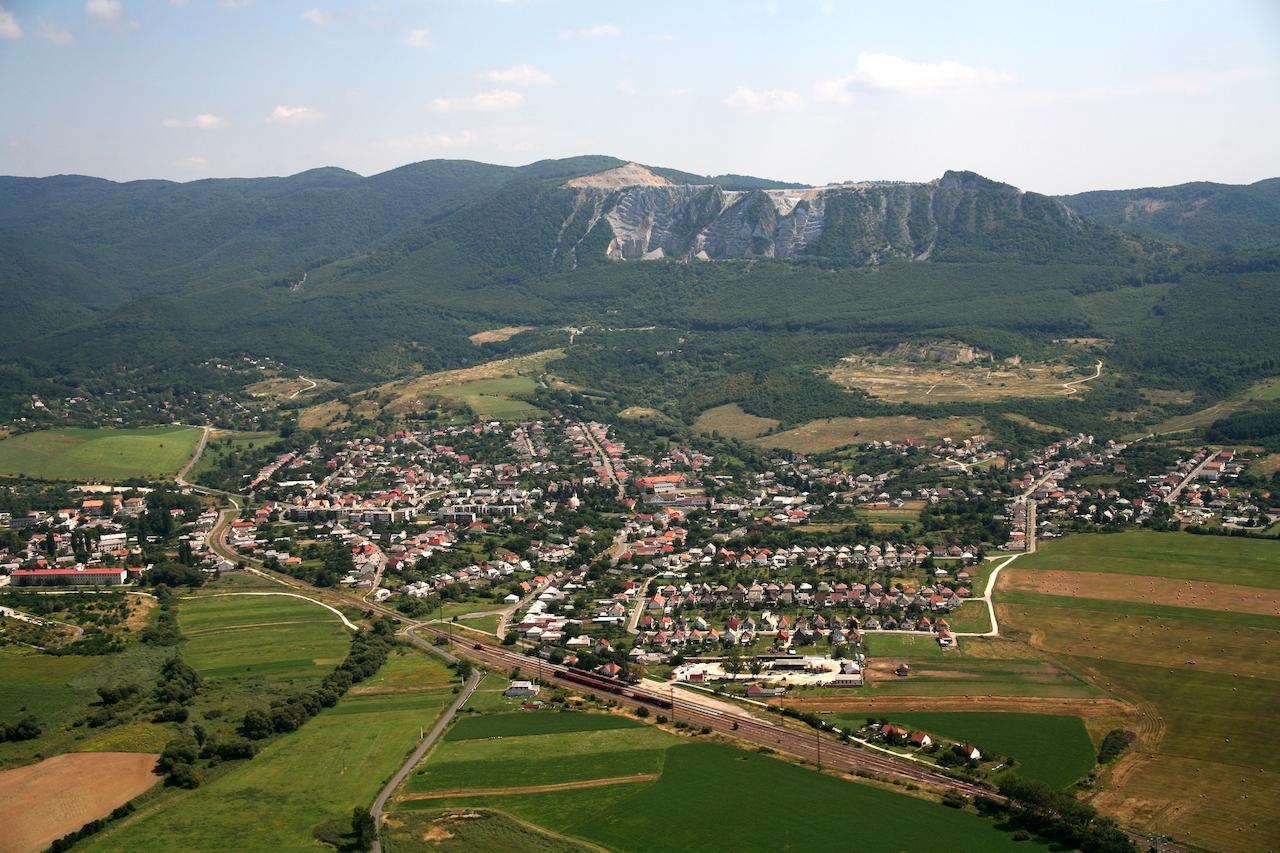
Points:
(742, 726)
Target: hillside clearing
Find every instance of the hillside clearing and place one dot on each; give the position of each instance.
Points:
(831, 433)
(909, 381)
(732, 421)
(493, 336)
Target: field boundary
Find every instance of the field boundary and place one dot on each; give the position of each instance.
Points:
(533, 789)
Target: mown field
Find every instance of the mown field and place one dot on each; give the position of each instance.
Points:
(97, 454)
(831, 433)
(249, 637)
(716, 792)
(305, 782)
(1050, 748)
(1182, 556)
(1204, 678)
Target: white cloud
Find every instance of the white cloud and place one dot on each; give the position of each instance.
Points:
(9, 26)
(193, 164)
(287, 115)
(319, 17)
(888, 73)
(762, 100)
(432, 141)
(55, 34)
(519, 75)
(664, 38)
(203, 121)
(235, 4)
(418, 38)
(599, 31)
(496, 99)
(104, 10)
(179, 2)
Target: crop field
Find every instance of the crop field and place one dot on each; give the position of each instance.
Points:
(832, 433)
(496, 399)
(1200, 676)
(42, 802)
(525, 724)
(298, 784)
(541, 759)
(721, 780)
(261, 637)
(97, 454)
(1143, 589)
(732, 421)
(909, 381)
(1052, 749)
(1176, 556)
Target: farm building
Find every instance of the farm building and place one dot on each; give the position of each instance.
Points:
(522, 689)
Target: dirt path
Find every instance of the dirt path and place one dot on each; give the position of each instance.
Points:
(534, 789)
(181, 477)
(313, 387)
(1071, 386)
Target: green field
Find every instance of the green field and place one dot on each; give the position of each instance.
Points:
(261, 637)
(224, 443)
(976, 667)
(338, 760)
(722, 787)
(487, 624)
(58, 691)
(497, 399)
(1053, 749)
(542, 759)
(525, 723)
(98, 454)
(1182, 556)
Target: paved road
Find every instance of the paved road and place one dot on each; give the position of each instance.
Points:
(605, 462)
(432, 736)
(1186, 481)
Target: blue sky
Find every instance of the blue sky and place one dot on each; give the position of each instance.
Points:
(1056, 97)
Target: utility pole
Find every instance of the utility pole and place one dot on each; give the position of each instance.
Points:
(817, 736)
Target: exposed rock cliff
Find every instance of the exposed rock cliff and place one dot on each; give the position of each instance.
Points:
(650, 217)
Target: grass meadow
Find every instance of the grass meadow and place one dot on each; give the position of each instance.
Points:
(97, 454)
(301, 782)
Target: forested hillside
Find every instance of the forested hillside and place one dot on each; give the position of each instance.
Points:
(358, 279)
(1212, 216)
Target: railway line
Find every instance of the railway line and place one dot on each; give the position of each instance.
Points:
(742, 726)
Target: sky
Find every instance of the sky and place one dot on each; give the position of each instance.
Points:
(1052, 97)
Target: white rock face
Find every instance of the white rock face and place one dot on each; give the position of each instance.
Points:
(650, 217)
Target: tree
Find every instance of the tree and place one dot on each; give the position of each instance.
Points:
(733, 661)
(756, 666)
(363, 828)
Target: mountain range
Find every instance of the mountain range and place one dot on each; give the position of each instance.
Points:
(356, 276)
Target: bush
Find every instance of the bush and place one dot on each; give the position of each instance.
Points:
(25, 729)
(642, 712)
(1113, 744)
